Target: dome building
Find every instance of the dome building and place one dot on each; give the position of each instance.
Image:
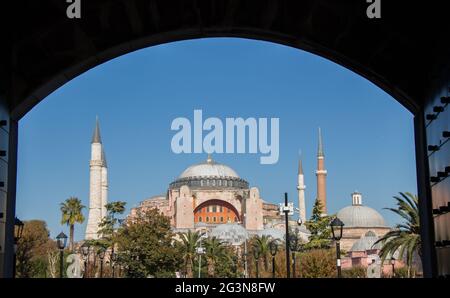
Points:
(209, 194)
(358, 221)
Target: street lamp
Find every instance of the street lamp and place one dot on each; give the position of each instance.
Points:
(336, 228)
(101, 255)
(393, 266)
(85, 251)
(256, 254)
(18, 230)
(61, 241)
(273, 246)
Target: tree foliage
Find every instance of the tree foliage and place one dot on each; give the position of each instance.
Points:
(319, 226)
(405, 237)
(146, 246)
(71, 213)
(32, 250)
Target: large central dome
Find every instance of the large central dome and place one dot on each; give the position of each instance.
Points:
(209, 168)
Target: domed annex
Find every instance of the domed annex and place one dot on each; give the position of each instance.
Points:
(360, 220)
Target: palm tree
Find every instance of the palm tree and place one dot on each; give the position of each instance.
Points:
(72, 213)
(405, 237)
(262, 243)
(215, 251)
(189, 241)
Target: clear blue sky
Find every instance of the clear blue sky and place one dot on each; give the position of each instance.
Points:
(368, 136)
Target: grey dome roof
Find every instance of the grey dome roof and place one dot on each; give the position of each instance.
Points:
(272, 232)
(209, 168)
(361, 217)
(366, 242)
(232, 233)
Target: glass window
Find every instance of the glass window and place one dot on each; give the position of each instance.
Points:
(214, 208)
(199, 218)
(220, 208)
(221, 219)
(207, 219)
(214, 219)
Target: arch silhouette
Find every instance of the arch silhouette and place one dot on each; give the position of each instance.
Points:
(407, 58)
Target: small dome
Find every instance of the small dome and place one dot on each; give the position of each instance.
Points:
(209, 168)
(366, 242)
(232, 233)
(358, 216)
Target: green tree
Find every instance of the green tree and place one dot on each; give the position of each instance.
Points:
(110, 222)
(189, 243)
(405, 237)
(262, 244)
(32, 249)
(319, 226)
(146, 246)
(215, 252)
(71, 211)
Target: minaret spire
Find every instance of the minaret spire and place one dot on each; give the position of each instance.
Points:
(300, 165)
(301, 191)
(96, 138)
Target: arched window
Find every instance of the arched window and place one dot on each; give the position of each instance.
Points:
(214, 219)
(221, 219)
(200, 219)
(207, 219)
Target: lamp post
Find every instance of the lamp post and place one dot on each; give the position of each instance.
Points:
(18, 230)
(336, 229)
(85, 251)
(273, 246)
(200, 251)
(393, 266)
(61, 241)
(286, 209)
(101, 256)
(294, 247)
(256, 255)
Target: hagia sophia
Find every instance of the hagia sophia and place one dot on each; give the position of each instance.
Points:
(212, 197)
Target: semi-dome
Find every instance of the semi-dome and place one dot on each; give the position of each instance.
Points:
(209, 168)
(359, 216)
(366, 242)
(232, 233)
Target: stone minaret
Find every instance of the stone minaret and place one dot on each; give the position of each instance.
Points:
(98, 186)
(301, 191)
(321, 174)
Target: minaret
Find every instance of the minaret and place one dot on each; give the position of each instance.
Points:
(301, 192)
(321, 174)
(104, 183)
(98, 186)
